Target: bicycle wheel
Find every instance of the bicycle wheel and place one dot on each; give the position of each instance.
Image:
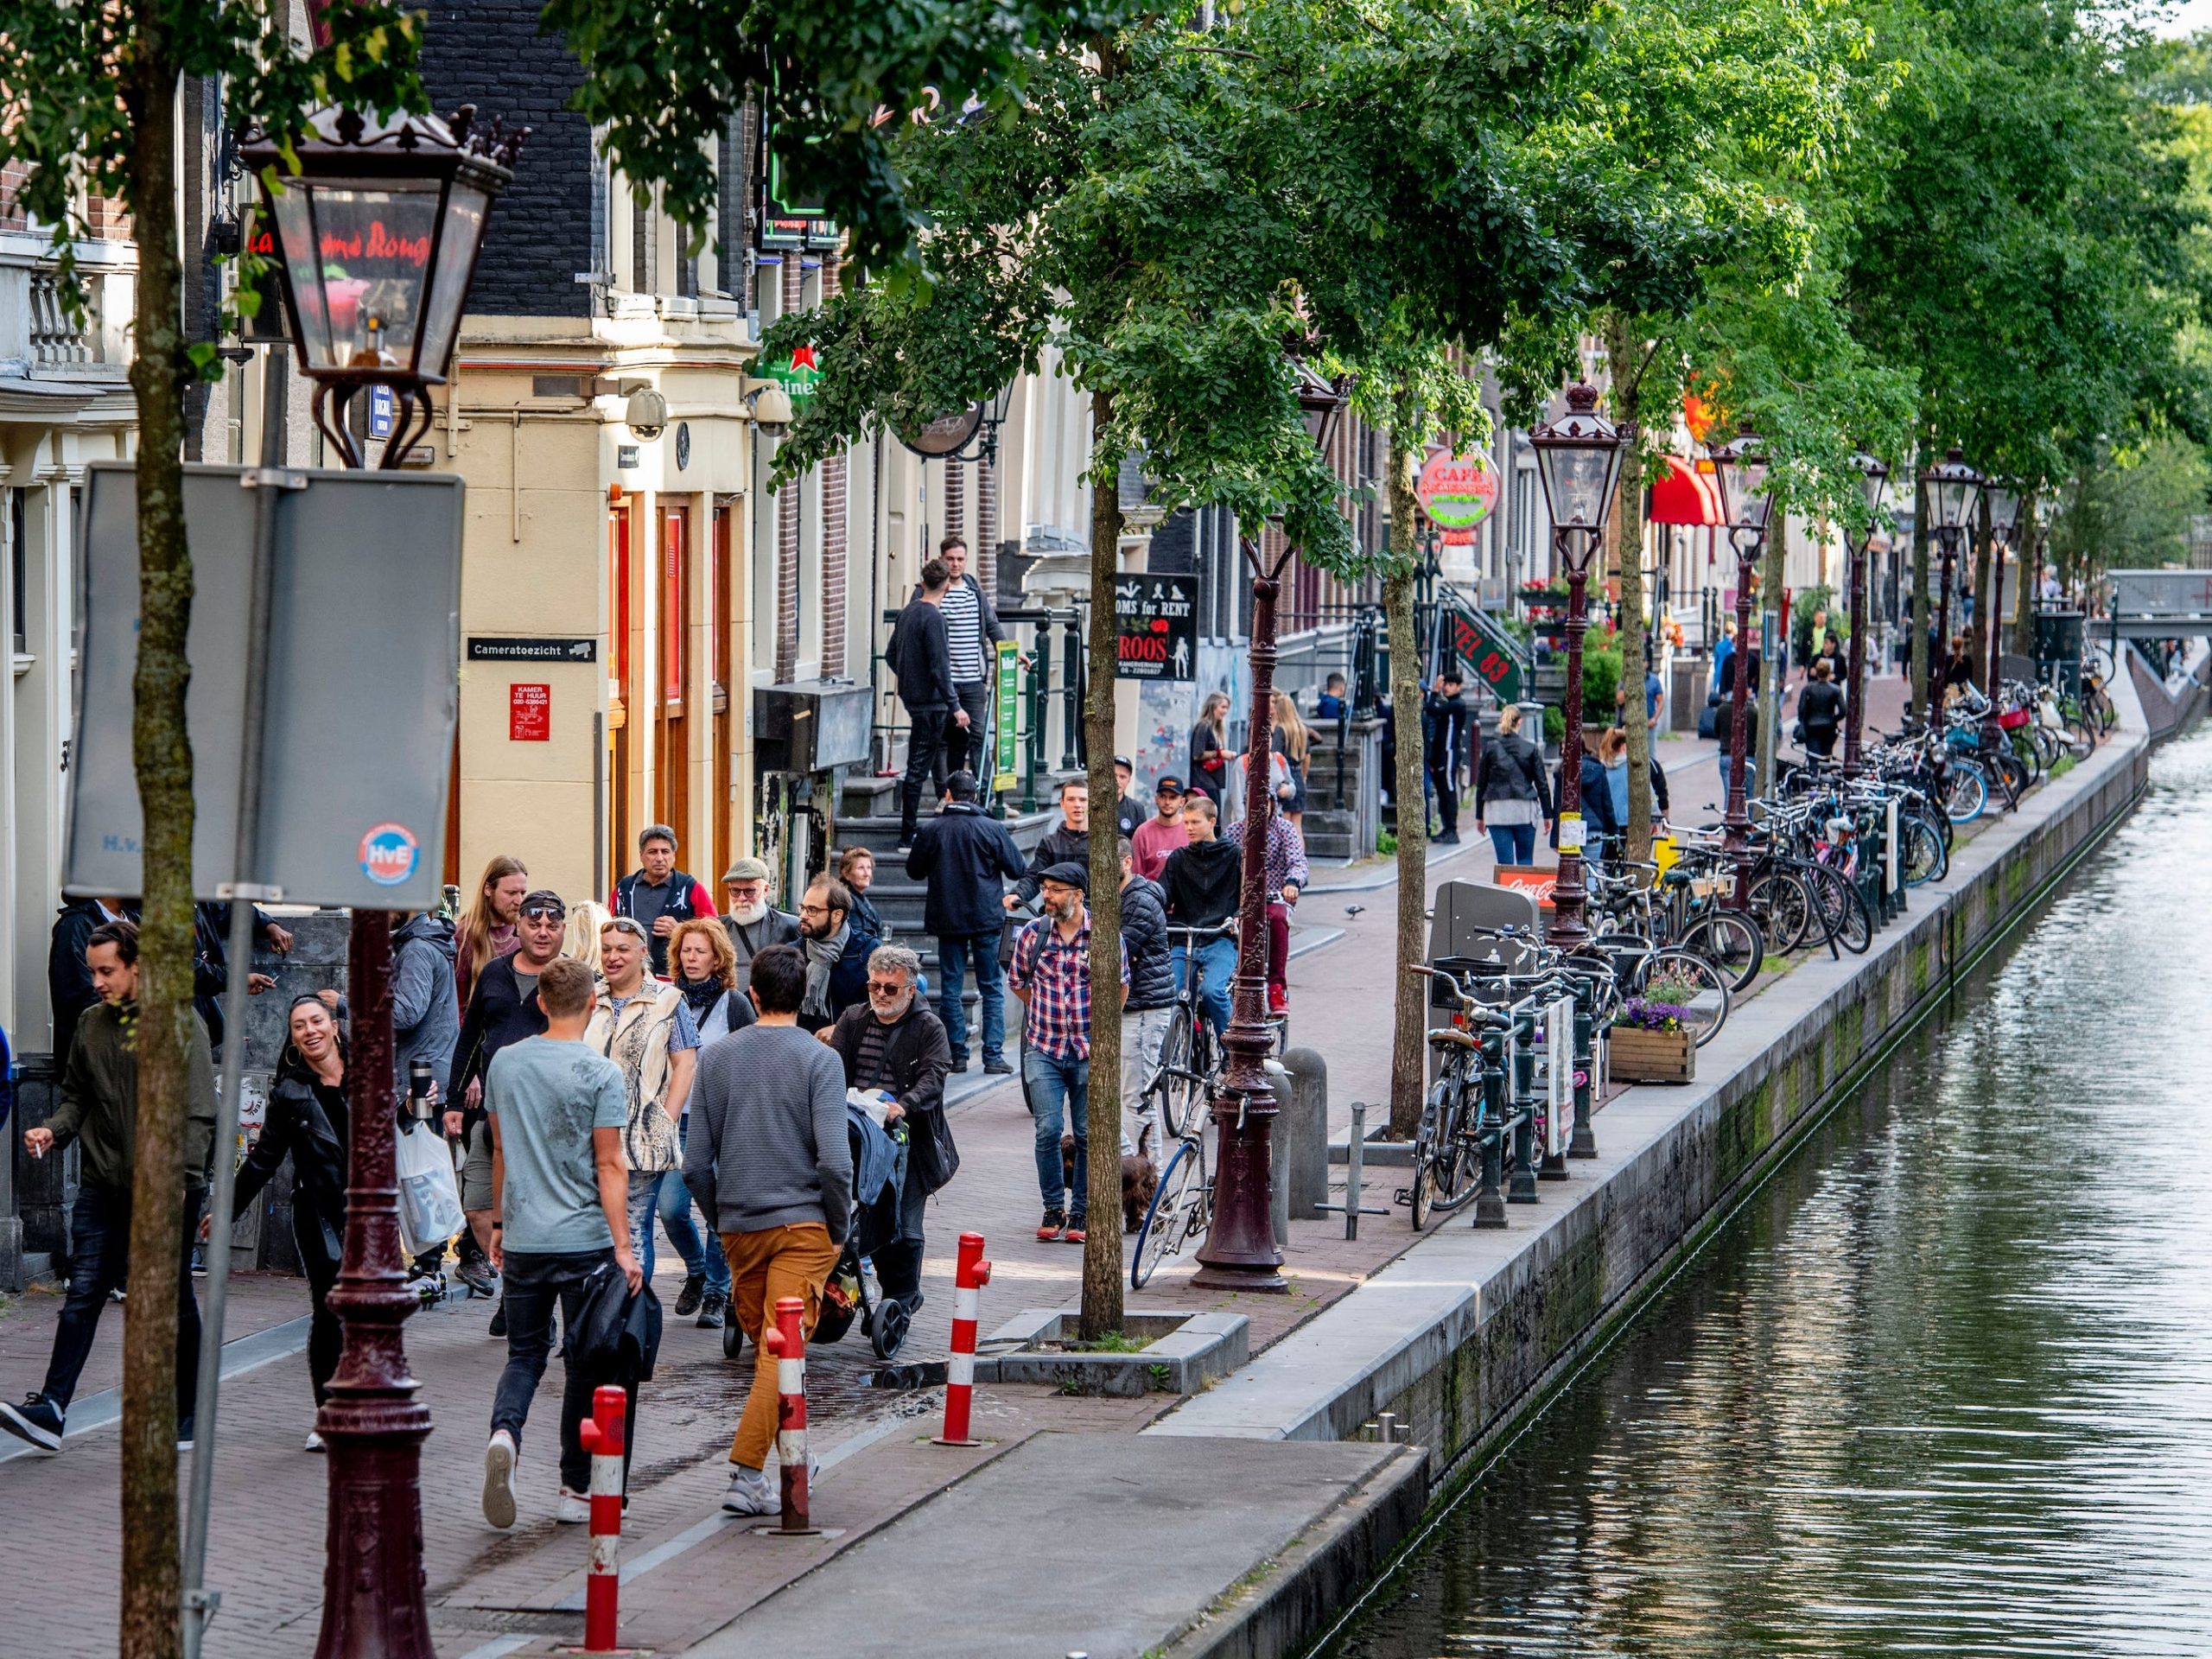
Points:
(1966, 792)
(1705, 1010)
(1843, 911)
(1451, 1169)
(1178, 1088)
(1168, 1220)
(2011, 777)
(1783, 911)
(1921, 857)
(1731, 943)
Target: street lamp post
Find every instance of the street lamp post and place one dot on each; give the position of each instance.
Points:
(1955, 488)
(1240, 1252)
(1875, 479)
(1739, 476)
(1579, 459)
(2003, 524)
(379, 228)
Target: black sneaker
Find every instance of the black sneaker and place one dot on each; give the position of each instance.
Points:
(999, 1067)
(499, 1319)
(1449, 838)
(38, 1420)
(184, 1434)
(710, 1310)
(687, 1299)
(1054, 1224)
(959, 1063)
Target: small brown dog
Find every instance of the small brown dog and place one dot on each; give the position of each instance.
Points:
(1139, 1180)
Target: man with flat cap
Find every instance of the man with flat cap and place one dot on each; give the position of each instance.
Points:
(1052, 975)
(751, 921)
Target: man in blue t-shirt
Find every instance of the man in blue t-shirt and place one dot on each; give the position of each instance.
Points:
(560, 1191)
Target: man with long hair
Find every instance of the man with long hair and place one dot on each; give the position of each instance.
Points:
(488, 927)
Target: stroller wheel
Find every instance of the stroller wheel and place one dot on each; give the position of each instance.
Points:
(732, 1339)
(887, 1330)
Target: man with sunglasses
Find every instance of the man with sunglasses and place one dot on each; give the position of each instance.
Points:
(503, 1008)
(896, 1044)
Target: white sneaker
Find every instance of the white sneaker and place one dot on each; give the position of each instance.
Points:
(499, 1479)
(573, 1509)
(315, 1442)
(750, 1494)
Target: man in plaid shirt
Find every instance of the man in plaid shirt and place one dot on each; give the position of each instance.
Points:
(1286, 874)
(1052, 975)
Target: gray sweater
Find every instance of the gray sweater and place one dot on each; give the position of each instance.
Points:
(768, 1147)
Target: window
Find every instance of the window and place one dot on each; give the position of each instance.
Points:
(673, 524)
(19, 572)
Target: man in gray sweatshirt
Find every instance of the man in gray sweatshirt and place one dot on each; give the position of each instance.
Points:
(771, 1168)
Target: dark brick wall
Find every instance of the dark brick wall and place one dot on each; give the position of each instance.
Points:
(491, 54)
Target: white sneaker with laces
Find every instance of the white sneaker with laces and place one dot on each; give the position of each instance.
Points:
(573, 1509)
(499, 1479)
(315, 1442)
(750, 1494)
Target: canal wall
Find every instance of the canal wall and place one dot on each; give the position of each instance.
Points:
(1469, 1331)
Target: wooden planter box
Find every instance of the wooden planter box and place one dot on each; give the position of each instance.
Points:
(1651, 1056)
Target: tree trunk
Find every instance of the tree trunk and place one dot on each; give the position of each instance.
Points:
(1102, 1250)
(1621, 346)
(1772, 561)
(161, 749)
(2030, 554)
(1922, 604)
(1408, 1047)
(1984, 603)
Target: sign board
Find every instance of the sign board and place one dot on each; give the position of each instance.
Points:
(382, 411)
(1490, 654)
(530, 713)
(491, 648)
(1529, 878)
(1155, 627)
(363, 688)
(1457, 491)
(1571, 825)
(1009, 700)
(797, 374)
(1559, 1068)
(788, 221)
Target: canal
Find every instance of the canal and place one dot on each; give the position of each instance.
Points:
(1945, 1384)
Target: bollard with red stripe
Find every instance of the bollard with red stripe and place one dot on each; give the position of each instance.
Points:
(970, 1275)
(602, 1436)
(786, 1340)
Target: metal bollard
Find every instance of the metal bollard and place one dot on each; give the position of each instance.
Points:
(786, 1340)
(971, 1273)
(602, 1435)
(1355, 1175)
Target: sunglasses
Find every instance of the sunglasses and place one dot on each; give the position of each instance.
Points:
(882, 987)
(543, 913)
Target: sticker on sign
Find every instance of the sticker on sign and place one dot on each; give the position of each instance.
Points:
(389, 853)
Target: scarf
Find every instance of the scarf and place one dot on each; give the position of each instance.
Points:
(701, 994)
(821, 955)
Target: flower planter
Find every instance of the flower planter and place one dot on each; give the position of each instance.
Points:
(1640, 1056)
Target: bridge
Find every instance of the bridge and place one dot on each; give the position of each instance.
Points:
(2159, 604)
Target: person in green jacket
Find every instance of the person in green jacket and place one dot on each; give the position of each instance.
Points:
(99, 1112)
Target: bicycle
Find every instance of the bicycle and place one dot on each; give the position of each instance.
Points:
(1179, 1098)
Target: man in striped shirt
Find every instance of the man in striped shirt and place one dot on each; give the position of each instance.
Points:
(972, 633)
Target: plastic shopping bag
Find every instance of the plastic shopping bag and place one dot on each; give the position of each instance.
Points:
(430, 1201)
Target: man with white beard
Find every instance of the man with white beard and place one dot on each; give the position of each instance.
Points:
(751, 921)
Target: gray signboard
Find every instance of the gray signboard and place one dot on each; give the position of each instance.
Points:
(364, 668)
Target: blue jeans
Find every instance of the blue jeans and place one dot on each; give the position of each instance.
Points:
(1217, 963)
(953, 955)
(100, 1262)
(1515, 844)
(1060, 1089)
(1751, 776)
(702, 1252)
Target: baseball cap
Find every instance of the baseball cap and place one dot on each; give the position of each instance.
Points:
(1170, 785)
(545, 899)
(745, 869)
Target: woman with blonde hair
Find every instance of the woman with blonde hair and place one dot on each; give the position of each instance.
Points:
(1291, 740)
(579, 938)
(1210, 746)
(488, 930)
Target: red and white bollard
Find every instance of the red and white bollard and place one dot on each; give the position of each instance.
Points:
(602, 1436)
(970, 1275)
(786, 1340)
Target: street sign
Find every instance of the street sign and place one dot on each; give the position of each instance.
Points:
(363, 685)
(487, 648)
(1155, 627)
(1009, 695)
(1457, 491)
(530, 713)
(381, 411)
(1492, 655)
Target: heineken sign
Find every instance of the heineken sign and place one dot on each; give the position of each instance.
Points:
(797, 374)
(1457, 491)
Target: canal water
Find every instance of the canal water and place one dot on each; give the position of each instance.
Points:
(1945, 1385)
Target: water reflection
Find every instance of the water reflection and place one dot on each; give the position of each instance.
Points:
(1946, 1387)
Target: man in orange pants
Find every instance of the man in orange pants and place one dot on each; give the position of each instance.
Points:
(770, 1165)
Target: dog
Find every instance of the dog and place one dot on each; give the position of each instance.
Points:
(1139, 1180)
(1067, 1162)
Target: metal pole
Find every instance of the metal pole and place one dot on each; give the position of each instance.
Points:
(199, 1603)
(1739, 821)
(1567, 930)
(1355, 1168)
(1072, 736)
(1240, 1252)
(1855, 670)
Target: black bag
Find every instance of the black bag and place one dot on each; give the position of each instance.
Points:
(935, 1158)
(1709, 715)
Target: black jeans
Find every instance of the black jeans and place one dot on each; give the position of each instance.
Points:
(924, 759)
(101, 1238)
(326, 1337)
(535, 1282)
(899, 1264)
(964, 746)
(1447, 798)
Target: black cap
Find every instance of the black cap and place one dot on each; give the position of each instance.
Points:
(544, 899)
(1170, 785)
(1124, 762)
(1068, 874)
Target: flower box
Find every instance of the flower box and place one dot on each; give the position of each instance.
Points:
(1651, 1056)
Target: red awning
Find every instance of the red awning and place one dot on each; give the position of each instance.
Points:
(1682, 495)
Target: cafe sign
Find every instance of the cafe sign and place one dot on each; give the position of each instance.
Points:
(1456, 492)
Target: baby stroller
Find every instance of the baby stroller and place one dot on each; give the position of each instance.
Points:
(879, 1179)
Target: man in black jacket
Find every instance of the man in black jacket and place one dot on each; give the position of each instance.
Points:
(1819, 710)
(657, 894)
(921, 657)
(1151, 1008)
(966, 857)
(896, 1045)
(1202, 883)
(1445, 728)
(503, 1008)
(1068, 843)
